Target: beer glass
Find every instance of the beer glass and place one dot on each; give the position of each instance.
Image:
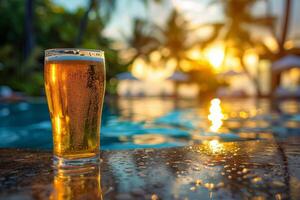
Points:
(75, 85)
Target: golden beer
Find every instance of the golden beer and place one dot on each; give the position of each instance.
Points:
(75, 86)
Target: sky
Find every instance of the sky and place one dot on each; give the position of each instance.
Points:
(198, 12)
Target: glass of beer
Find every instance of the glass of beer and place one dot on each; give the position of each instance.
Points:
(75, 86)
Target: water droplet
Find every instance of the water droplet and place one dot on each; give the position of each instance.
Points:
(278, 196)
(219, 185)
(141, 175)
(154, 197)
(258, 198)
(278, 184)
(196, 168)
(257, 180)
(193, 188)
(209, 186)
(198, 182)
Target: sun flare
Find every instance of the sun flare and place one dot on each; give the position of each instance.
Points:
(215, 55)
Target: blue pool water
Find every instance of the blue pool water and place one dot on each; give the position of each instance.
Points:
(156, 122)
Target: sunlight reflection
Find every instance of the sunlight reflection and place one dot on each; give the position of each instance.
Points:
(156, 69)
(85, 184)
(215, 146)
(58, 136)
(57, 124)
(148, 109)
(271, 43)
(149, 139)
(289, 44)
(138, 68)
(218, 148)
(215, 115)
(155, 56)
(53, 72)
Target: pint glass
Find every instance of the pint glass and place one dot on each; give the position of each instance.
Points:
(75, 85)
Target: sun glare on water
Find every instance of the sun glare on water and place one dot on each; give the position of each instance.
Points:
(215, 146)
(215, 115)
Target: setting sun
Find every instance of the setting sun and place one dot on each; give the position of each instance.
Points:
(215, 55)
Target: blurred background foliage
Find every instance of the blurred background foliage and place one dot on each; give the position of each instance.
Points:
(31, 26)
(28, 27)
(53, 27)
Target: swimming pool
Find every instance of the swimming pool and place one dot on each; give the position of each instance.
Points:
(159, 122)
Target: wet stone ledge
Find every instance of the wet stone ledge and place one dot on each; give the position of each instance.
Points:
(212, 170)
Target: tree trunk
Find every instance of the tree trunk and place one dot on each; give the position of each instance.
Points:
(83, 24)
(29, 33)
(285, 27)
(253, 79)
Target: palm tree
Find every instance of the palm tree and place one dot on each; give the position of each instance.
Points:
(106, 7)
(143, 39)
(236, 35)
(176, 35)
(147, 37)
(109, 5)
(29, 33)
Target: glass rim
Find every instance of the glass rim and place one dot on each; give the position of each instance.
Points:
(80, 49)
(96, 53)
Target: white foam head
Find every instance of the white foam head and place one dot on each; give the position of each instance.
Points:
(73, 57)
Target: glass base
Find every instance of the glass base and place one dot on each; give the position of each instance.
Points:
(76, 164)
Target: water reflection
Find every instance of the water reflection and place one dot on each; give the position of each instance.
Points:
(218, 149)
(160, 122)
(147, 109)
(149, 139)
(215, 146)
(85, 184)
(215, 115)
(153, 122)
